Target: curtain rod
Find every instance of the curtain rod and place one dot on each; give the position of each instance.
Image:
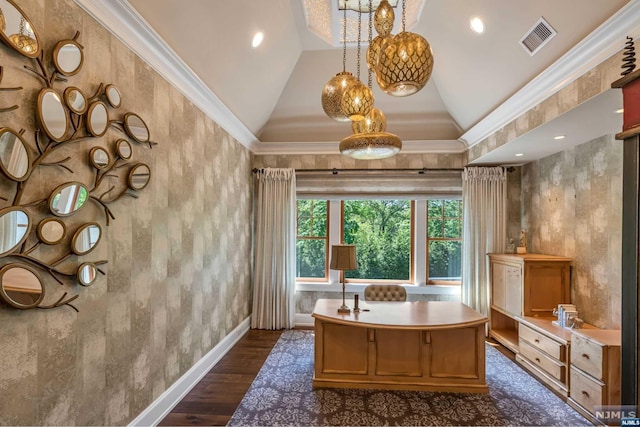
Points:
(335, 171)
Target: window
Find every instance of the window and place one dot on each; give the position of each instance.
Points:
(311, 239)
(444, 240)
(382, 233)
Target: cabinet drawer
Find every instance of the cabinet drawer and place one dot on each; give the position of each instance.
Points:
(586, 391)
(551, 366)
(544, 343)
(588, 356)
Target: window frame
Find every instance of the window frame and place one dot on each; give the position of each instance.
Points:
(428, 239)
(325, 238)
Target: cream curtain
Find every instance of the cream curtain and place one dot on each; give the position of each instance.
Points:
(484, 197)
(274, 273)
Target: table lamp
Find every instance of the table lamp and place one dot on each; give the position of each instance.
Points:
(343, 258)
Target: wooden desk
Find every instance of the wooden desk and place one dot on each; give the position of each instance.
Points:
(426, 345)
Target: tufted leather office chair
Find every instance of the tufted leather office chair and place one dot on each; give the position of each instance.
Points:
(385, 293)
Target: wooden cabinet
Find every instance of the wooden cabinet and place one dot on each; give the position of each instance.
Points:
(595, 369)
(524, 285)
(544, 351)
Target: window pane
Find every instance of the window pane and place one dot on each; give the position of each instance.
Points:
(445, 260)
(310, 258)
(451, 208)
(304, 226)
(381, 231)
(434, 209)
(452, 229)
(435, 228)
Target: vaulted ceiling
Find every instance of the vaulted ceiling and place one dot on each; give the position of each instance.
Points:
(273, 91)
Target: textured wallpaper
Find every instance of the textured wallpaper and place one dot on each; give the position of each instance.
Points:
(572, 206)
(178, 272)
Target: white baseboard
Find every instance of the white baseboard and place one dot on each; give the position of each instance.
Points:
(178, 390)
(304, 320)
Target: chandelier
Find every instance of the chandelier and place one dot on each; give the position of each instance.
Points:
(333, 91)
(403, 63)
(370, 139)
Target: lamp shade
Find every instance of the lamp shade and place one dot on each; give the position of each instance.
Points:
(343, 257)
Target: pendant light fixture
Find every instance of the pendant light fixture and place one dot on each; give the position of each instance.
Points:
(334, 89)
(404, 61)
(357, 100)
(370, 139)
(383, 21)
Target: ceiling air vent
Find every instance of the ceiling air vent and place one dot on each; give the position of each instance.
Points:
(537, 36)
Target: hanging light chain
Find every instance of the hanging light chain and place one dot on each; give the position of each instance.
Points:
(404, 13)
(359, 32)
(370, 79)
(344, 40)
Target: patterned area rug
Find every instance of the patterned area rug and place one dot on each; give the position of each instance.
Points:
(282, 395)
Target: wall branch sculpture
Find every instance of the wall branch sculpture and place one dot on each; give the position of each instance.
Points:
(66, 120)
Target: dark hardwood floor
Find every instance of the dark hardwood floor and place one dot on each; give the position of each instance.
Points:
(215, 398)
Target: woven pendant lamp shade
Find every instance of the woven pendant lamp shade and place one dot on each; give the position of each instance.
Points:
(332, 93)
(373, 51)
(375, 121)
(404, 65)
(368, 146)
(357, 101)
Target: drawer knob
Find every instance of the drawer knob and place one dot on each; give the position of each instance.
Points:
(537, 341)
(538, 359)
(585, 355)
(585, 393)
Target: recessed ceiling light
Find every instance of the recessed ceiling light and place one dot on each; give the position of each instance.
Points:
(519, 154)
(619, 111)
(559, 137)
(257, 39)
(477, 25)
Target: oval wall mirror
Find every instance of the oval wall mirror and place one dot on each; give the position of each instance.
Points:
(68, 198)
(113, 96)
(52, 114)
(20, 286)
(14, 228)
(139, 176)
(75, 100)
(97, 118)
(136, 128)
(15, 159)
(68, 57)
(99, 158)
(87, 273)
(51, 231)
(18, 31)
(124, 149)
(86, 238)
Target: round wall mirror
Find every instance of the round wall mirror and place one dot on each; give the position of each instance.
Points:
(75, 100)
(68, 198)
(86, 238)
(52, 114)
(139, 176)
(113, 96)
(97, 118)
(51, 231)
(15, 160)
(14, 228)
(124, 149)
(20, 286)
(99, 158)
(18, 31)
(68, 57)
(136, 128)
(87, 273)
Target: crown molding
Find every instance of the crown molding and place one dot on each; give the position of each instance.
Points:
(601, 44)
(331, 147)
(124, 22)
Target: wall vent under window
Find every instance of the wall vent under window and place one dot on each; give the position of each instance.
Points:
(537, 36)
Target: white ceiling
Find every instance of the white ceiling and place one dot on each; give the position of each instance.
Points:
(274, 90)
